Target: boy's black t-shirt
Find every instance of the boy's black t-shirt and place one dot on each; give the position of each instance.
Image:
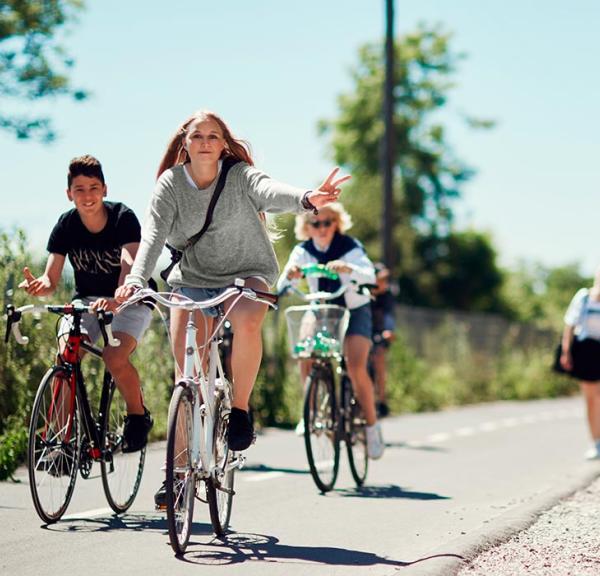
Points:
(96, 258)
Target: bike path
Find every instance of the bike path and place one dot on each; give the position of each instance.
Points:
(447, 482)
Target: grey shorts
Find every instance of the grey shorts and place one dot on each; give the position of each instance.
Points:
(361, 322)
(134, 320)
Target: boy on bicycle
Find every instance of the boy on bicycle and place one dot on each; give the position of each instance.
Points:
(101, 239)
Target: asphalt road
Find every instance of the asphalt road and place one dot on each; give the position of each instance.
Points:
(449, 482)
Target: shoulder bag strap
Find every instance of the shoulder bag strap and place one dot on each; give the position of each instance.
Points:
(227, 164)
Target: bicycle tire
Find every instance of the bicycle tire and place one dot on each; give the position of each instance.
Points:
(53, 445)
(121, 472)
(180, 481)
(321, 437)
(355, 434)
(219, 489)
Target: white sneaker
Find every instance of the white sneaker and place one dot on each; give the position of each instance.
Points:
(592, 454)
(375, 446)
(300, 428)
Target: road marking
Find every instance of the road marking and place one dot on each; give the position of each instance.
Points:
(439, 437)
(491, 426)
(264, 476)
(488, 427)
(88, 514)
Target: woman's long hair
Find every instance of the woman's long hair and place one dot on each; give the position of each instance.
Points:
(177, 154)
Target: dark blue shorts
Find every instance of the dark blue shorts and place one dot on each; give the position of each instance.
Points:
(199, 294)
(361, 322)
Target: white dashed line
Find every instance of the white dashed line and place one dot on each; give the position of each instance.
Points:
(264, 476)
(88, 514)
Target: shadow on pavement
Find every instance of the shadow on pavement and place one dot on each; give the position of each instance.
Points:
(265, 468)
(413, 446)
(141, 522)
(239, 548)
(389, 491)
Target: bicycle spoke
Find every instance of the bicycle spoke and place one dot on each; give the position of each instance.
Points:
(121, 472)
(320, 429)
(53, 451)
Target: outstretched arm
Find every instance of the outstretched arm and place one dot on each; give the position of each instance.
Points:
(46, 283)
(329, 191)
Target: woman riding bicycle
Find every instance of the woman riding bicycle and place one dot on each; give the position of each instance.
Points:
(235, 245)
(324, 242)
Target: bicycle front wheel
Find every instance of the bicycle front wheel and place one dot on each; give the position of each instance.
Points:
(320, 429)
(121, 473)
(355, 434)
(54, 444)
(219, 488)
(180, 480)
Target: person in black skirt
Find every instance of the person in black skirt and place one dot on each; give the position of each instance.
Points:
(580, 355)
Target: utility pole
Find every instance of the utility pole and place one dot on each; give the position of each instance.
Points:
(387, 217)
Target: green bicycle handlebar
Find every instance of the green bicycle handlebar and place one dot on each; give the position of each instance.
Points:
(319, 271)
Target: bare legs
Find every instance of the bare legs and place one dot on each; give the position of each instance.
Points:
(379, 366)
(127, 379)
(246, 319)
(591, 394)
(356, 351)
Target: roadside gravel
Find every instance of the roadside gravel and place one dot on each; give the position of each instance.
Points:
(564, 541)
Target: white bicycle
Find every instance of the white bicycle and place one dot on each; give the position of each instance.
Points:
(197, 450)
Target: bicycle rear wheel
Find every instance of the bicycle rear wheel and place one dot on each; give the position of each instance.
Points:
(180, 480)
(121, 473)
(219, 488)
(54, 444)
(320, 429)
(355, 434)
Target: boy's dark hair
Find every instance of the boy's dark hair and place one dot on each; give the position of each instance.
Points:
(85, 166)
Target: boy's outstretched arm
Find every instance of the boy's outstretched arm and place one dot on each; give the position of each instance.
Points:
(47, 283)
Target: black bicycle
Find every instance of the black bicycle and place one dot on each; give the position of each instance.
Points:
(316, 334)
(64, 435)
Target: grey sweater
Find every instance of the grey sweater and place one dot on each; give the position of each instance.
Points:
(236, 243)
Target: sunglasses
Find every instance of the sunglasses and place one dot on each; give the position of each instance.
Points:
(318, 223)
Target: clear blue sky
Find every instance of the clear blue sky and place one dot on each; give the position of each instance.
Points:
(272, 69)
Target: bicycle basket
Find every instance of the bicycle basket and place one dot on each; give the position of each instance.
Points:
(316, 331)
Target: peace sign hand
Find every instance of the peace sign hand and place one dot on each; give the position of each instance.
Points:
(329, 191)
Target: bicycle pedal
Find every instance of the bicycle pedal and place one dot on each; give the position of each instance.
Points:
(229, 491)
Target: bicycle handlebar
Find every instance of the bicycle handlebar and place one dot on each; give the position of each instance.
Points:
(14, 315)
(325, 296)
(184, 303)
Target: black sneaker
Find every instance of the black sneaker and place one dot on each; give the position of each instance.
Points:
(160, 497)
(383, 409)
(240, 433)
(135, 431)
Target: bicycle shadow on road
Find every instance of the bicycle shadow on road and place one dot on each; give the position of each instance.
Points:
(415, 446)
(142, 522)
(237, 548)
(387, 491)
(265, 468)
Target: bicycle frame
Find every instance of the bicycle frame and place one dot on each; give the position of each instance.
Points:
(69, 360)
(205, 386)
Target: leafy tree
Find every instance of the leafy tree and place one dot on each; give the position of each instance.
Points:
(538, 294)
(429, 255)
(429, 172)
(457, 271)
(33, 65)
